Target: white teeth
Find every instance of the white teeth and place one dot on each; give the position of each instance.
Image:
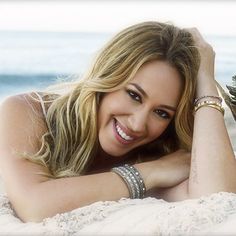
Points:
(122, 134)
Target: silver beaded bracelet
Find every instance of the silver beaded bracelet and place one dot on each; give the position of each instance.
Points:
(132, 178)
(139, 179)
(126, 178)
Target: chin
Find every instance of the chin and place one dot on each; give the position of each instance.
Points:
(115, 150)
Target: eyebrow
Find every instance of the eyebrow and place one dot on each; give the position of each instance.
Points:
(140, 89)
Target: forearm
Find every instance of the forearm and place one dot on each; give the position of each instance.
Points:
(61, 195)
(213, 166)
(50, 197)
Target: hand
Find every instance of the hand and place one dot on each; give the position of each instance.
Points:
(167, 171)
(207, 61)
(207, 54)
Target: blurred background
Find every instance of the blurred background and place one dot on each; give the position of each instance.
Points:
(46, 39)
(42, 40)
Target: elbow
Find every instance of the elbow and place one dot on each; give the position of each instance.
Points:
(207, 191)
(33, 214)
(28, 207)
(29, 211)
(32, 217)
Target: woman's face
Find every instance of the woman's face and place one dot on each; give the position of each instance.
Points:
(139, 113)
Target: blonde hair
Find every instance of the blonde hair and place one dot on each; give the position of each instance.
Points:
(69, 146)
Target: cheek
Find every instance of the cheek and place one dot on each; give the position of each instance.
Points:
(111, 104)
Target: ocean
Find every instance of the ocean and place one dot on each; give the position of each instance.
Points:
(33, 60)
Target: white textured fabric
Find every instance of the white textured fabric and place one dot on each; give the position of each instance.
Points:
(204, 216)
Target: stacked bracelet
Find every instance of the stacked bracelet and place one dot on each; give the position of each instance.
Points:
(133, 180)
(207, 96)
(139, 179)
(212, 104)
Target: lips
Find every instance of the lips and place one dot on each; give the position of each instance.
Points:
(121, 133)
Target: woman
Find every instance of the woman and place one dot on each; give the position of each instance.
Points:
(61, 151)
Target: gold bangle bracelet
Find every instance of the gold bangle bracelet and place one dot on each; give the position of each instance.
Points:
(196, 101)
(208, 102)
(215, 106)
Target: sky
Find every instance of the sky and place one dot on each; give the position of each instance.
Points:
(210, 17)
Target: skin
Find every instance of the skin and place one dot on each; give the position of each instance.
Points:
(213, 162)
(143, 117)
(35, 197)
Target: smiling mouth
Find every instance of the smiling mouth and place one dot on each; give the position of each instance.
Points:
(121, 135)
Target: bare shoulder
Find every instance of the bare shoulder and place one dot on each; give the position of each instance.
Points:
(22, 113)
(21, 130)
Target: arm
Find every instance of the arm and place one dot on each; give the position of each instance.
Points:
(178, 192)
(35, 197)
(213, 166)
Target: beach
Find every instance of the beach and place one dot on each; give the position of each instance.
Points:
(33, 60)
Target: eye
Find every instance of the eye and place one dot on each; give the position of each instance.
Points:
(163, 114)
(134, 95)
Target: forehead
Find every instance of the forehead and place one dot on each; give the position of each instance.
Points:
(160, 81)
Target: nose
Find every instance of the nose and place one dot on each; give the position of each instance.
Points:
(138, 121)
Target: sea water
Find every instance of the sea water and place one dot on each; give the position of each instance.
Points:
(33, 60)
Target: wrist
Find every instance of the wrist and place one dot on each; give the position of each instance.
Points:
(206, 87)
(145, 169)
(133, 180)
(153, 173)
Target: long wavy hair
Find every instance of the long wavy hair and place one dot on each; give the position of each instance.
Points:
(71, 141)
